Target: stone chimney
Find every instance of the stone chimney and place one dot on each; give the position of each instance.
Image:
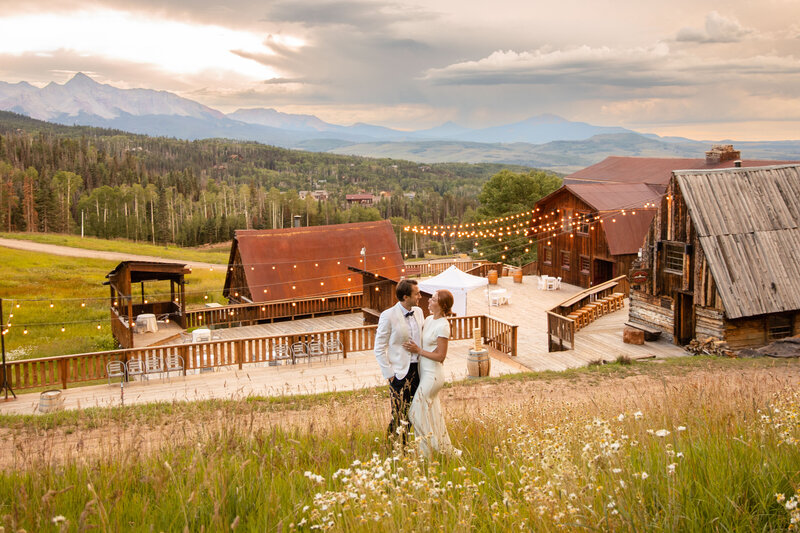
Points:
(722, 152)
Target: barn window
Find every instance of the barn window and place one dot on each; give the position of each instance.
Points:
(673, 258)
(548, 255)
(778, 327)
(565, 259)
(583, 223)
(584, 264)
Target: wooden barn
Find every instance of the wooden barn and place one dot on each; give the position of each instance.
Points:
(722, 257)
(310, 262)
(589, 233)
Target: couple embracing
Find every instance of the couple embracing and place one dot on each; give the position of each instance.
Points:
(410, 353)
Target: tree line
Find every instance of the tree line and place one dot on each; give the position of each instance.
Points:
(113, 184)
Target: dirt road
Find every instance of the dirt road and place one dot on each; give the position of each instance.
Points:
(95, 254)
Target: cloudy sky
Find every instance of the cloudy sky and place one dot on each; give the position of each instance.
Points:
(696, 68)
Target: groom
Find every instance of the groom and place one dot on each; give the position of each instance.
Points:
(399, 366)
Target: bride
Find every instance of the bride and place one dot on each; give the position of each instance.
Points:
(425, 413)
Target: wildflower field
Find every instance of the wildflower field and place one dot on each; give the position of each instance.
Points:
(694, 445)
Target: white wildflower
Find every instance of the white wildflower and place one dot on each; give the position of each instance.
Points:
(637, 415)
(621, 417)
(58, 519)
(645, 475)
(662, 433)
(681, 428)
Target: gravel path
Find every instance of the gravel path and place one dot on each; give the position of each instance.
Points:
(95, 254)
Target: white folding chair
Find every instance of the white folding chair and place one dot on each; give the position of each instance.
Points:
(542, 284)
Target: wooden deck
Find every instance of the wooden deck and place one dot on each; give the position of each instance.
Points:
(600, 340)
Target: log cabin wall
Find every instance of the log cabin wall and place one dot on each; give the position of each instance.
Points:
(572, 254)
(671, 240)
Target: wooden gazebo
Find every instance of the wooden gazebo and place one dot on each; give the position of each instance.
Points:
(124, 311)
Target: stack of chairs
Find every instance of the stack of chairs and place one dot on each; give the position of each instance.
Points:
(594, 310)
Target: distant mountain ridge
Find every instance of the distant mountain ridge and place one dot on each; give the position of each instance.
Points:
(544, 141)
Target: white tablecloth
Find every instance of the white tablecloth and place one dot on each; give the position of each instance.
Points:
(201, 335)
(146, 323)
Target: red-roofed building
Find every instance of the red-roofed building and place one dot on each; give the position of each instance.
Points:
(310, 262)
(591, 232)
(586, 232)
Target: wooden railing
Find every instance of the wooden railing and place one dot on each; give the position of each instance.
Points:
(77, 368)
(483, 269)
(245, 314)
(121, 329)
(530, 269)
(500, 335)
(561, 329)
(420, 268)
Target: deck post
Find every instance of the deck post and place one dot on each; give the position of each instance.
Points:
(62, 369)
(345, 343)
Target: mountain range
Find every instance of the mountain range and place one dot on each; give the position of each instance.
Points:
(545, 141)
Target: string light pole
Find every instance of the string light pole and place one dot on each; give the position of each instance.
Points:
(5, 387)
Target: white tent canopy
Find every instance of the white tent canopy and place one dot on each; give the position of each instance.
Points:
(456, 281)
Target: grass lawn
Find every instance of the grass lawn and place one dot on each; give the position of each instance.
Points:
(46, 293)
(217, 255)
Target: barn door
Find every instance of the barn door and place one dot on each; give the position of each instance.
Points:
(603, 271)
(684, 318)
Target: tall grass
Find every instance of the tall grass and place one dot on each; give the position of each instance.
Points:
(700, 454)
(80, 302)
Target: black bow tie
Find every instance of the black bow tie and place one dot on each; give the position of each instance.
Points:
(410, 313)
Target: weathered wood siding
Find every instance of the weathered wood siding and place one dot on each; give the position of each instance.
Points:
(653, 303)
(591, 246)
(709, 323)
(653, 311)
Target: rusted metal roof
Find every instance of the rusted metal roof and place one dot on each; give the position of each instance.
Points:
(611, 196)
(312, 261)
(653, 170)
(146, 271)
(625, 233)
(748, 223)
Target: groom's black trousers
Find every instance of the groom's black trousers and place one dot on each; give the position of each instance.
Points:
(402, 392)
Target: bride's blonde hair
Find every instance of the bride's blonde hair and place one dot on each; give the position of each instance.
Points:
(445, 302)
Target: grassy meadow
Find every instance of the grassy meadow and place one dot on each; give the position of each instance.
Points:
(217, 254)
(46, 293)
(697, 445)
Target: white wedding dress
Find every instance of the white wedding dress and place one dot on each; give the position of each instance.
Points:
(425, 412)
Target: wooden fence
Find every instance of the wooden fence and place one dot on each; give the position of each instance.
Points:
(62, 370)
(248, 314)
(560, 328)
(419, 268)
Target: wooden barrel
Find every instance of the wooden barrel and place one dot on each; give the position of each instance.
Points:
(518, 276)
(492, 277)
(50, 401)
(478, 363)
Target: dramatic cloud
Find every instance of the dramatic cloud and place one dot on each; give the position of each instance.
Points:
(414, 64)
(718, 29)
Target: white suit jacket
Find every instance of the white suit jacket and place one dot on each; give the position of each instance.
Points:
(393, 331)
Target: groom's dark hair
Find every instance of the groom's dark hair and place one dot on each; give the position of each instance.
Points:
(404, 288)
